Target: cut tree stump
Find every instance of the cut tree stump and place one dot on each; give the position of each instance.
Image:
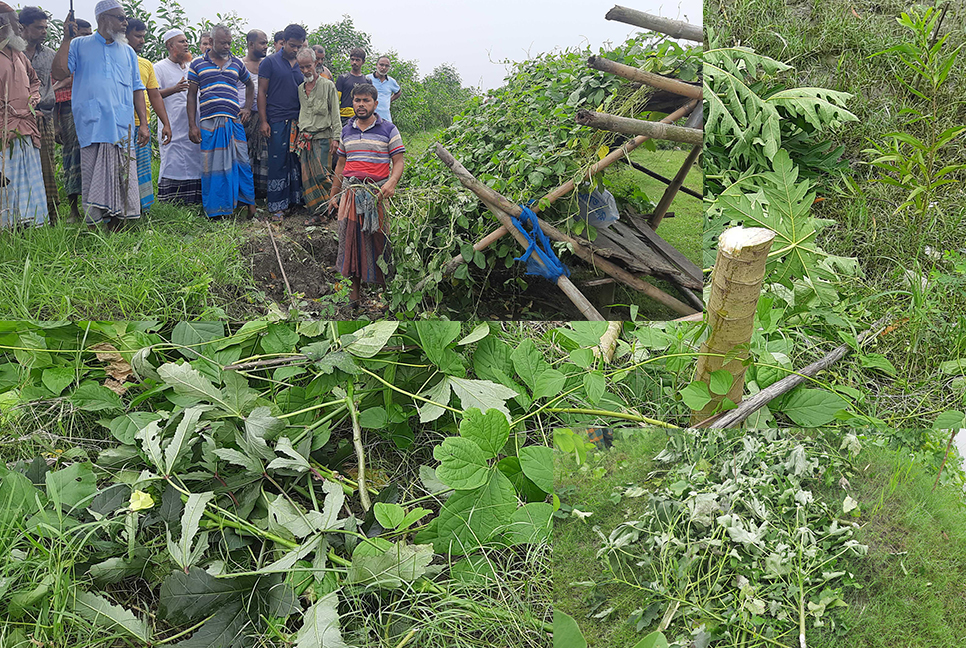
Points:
(735, 287)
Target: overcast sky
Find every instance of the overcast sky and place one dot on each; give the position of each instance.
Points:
(472, 35)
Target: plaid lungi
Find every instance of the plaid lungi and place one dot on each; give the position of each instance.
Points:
(22, 196)
(359, 251)
(70, 151)
(109, 183)
(316, 178)
(145, 181)
(187, 192)
(257, 156)
(45, 125)
(226, 175)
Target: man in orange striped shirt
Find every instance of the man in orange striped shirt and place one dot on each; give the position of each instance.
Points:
(371, 159)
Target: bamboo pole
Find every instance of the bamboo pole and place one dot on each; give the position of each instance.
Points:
(665, 203)
(629, 126)
(617, 154)
(735, 286)
(500, 205)
(673, 28)
(503, 215)
(648, 78)
(657, 176)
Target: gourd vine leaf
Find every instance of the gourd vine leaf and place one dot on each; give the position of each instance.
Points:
(400, 564)
(182, 441)
(320, 625)
(370, 340)
(104, 614)
(297, 462)
(182, 552)
(470, 517)
(189, 382)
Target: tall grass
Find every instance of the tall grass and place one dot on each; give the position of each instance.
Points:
(172, 264)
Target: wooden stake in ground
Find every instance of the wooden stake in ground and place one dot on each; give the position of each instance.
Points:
(735, 286)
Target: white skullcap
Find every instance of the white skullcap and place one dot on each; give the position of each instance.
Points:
(105, 5)
(171, 33)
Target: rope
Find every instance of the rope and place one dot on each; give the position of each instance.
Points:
(545, 263)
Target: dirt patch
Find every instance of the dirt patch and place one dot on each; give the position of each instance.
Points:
(308, 256)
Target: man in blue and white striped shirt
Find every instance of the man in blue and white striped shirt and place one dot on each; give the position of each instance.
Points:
(226, 172)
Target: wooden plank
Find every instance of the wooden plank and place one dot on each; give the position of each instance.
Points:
(671, 253)
(615, 246)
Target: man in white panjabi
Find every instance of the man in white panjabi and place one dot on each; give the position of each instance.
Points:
(180, 175)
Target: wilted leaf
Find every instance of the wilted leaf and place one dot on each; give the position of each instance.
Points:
(401, 564)
(320, 625)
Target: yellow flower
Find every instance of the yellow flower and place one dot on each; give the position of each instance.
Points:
(141, 500)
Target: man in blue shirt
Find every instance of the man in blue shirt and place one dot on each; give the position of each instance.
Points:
(107, 91)
(279, 78)
(387, 87)
(226, 173)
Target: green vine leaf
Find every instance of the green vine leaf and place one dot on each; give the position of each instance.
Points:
(104, 614)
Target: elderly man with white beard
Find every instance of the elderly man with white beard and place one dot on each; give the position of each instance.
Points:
(107, 82)
(22, 197)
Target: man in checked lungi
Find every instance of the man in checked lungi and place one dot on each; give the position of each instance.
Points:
(319, 129)
(107, 92)
(34, 23)
(136, 31)
(23, 200)
(371, 158)
(66, 136)
(226, 174)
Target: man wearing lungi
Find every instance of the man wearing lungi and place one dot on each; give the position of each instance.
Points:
(278, 111)
(66, 136)
(107, 92)
(136, 31)
(319, 129)
(180, 175)
(34, 23)
(23, 199)
(371, 158)
(257, 42)
(226, 174)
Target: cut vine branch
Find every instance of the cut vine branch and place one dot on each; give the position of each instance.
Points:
(754, 403)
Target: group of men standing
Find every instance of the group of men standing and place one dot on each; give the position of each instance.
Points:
(230, 130)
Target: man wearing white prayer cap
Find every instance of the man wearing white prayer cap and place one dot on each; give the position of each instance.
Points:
(180, 176)
(106, 79)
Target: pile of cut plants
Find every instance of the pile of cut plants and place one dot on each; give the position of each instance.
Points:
(274, 484)
(761, 538)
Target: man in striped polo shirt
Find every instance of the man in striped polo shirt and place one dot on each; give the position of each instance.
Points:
(371, 158)
(226, 173)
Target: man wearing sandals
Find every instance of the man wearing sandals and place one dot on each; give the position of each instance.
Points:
(371, 158)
